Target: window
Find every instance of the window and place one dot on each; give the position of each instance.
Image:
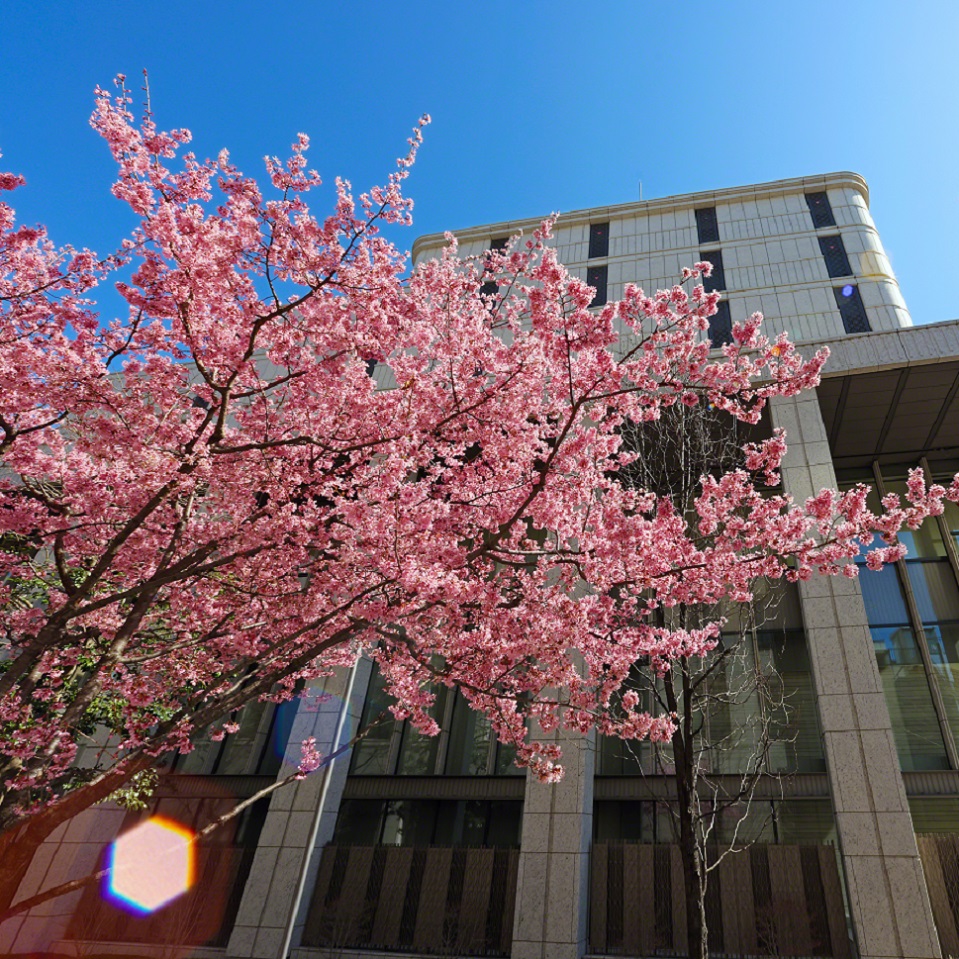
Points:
(851, 309)
(707, 226)
(396, 748)
(721, 326)
(900, 642)
(834, 253)
(820, 209)
(718, 280)
(598, 240)
(596, 276)
(497, 245)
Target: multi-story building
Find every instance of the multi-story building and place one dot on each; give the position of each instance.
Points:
(416, 845)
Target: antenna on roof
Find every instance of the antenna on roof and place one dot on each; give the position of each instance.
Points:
(640, 190)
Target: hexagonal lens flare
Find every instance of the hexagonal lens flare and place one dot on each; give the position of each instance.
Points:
(151, 865)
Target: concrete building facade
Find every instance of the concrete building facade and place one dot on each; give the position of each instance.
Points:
(416, 846)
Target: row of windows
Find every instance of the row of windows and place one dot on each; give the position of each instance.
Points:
(428, 822)
(466, 747)
(731, 720)
(781, 821)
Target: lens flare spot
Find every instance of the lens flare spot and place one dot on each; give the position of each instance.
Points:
(848, 289)
(151, 865)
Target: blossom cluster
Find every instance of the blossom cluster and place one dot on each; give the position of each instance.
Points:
(208, 501)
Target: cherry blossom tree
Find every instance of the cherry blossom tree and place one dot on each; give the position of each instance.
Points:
(207, 500)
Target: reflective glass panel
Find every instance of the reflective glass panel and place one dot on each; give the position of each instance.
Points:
(915, 726)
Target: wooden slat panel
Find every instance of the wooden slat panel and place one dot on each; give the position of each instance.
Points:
(346, 928)
(597, 901)
(428, 933)
(730, 877)
(634, 882)
(679, 901)
(474, 909)
(789, 901)
(646, 903)
(938, 894)
(506, 929)
(389, 907)
(835, 910)
(314, 922)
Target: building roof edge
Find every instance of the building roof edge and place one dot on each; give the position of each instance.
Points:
(646, 207)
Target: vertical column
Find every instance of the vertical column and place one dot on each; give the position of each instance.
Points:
(887, 891)
(299, 822)
(552, 890)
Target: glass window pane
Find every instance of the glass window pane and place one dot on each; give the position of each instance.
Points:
(797, 745)
(935, 815)
(934, 586)
(943, 641)
(505, 764)
(409, 822)
(743, 824)
(915, 726)
(620, 757)
(628, 820)
(469, 742)
(805, 821)
(371, 755)
(418, 752)
(358, 822)
(239, 747)
(882, 595)
(925, 542)
(505, 823)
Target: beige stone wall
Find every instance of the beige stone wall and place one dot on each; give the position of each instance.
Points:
(771, 254)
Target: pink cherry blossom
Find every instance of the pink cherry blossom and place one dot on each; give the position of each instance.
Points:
(206, 501)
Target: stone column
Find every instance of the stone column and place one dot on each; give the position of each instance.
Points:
(552, 889)
(887, 891)
(300, 821)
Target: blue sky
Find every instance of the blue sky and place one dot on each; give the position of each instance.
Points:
(537, 106)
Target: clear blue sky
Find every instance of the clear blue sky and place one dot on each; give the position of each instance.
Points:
(537, 106)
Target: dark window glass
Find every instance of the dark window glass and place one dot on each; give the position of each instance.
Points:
(820, 209)
(371, 755)
(418, 753)
(370, 367)
(834, 253)
(490, 287)
(718, 279)
(851, 308)
(359, 822)
(707, 226)
(469, 743)
(721, 326)
(598, 239)
(424, 822)
(596, 276)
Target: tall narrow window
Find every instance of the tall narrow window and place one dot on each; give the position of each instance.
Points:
(596, 276)
(497, 245)
(707, 226)
(820, 210)
(721, 326)
(851, 309)
(598, 240)
(834, 253)
(718, 279)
